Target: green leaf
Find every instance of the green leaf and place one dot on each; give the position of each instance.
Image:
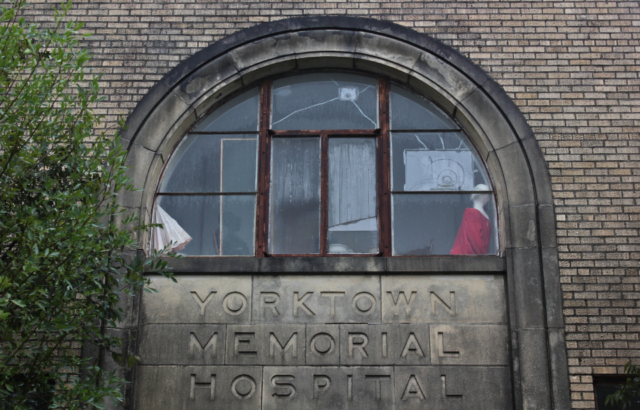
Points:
(18, 302)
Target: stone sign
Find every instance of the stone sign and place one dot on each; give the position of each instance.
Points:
(325, 342)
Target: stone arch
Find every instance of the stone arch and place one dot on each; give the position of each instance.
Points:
(497, 127)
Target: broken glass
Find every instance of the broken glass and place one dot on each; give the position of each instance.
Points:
(294, 214)
(353, 216)
(409, 111)
(325, 101)
(239, 114)
(213, 163)
(443, 161)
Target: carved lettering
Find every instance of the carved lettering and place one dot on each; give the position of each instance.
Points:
(242, 342)
(413, 390)
(274, 344)
(385, 348)
(364, 303)
(412, 346)
(320, 384)
(332, 296)
(194, 344)
(243, 387)
(397, 301)
(349, 387)
(358, 341)
(283, 389)
(202, 303)
(443, 351)
(450, 308)
(298, 303)
(444, 390)
(378, 379)
(322, 344)
(269, 300)
(211, 386)
(234, 303)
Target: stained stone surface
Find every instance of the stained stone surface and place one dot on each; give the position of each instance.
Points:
(198, 299)
(325, 342)
(199, 388)
(316, 299)
(443, 299)
(328, 388)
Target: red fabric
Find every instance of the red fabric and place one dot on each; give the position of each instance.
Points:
(474, 234)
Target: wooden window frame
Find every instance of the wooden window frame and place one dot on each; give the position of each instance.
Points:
(381, 135)
(265, 135)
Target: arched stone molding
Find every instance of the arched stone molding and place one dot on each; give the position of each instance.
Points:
(501, 133)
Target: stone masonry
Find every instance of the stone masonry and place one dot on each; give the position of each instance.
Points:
(571, 67)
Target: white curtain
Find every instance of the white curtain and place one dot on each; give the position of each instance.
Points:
(171, 234)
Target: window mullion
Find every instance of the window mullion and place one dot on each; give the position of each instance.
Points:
(324, 192)
(384, 170)
(264, 171)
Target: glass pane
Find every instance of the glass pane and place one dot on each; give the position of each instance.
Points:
(294, 216)
(217, 224)
(213, 163)
(443, 224)
(239, 114)
(325, 101)
(353, 216)
(409, 111)
(435, 162)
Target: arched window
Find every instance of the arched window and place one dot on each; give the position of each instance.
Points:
(322, 164)
(325, 136)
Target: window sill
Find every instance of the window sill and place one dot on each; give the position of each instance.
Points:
(432, 264)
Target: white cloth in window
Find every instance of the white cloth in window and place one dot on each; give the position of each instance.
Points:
(171, 234)
(438, 170)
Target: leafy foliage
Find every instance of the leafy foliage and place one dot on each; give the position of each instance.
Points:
(62, 256)
(628, 395)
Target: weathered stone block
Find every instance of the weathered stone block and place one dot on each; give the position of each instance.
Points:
(384, 344)
(469, 345)
(328, 388)
(198, 299)
(323, 345)
(272, 344)
(443, 299)
(316, 299)
(199, 388)
(182, 344)
(456, 387)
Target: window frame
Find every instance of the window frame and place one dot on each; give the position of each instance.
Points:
(382, 135)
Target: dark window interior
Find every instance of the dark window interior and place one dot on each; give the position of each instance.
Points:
(606, 385)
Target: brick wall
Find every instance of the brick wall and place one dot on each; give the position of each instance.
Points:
(572, 68)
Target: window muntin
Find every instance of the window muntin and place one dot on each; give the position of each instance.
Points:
(353, 189)
(213, 163)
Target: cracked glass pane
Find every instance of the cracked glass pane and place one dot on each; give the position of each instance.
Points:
(239, 114)
(217, 224)
(443, 224)
(325, 101)
(353, 211)
(443, 161)
(409, 111)
(294, 214)
(213, 163)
